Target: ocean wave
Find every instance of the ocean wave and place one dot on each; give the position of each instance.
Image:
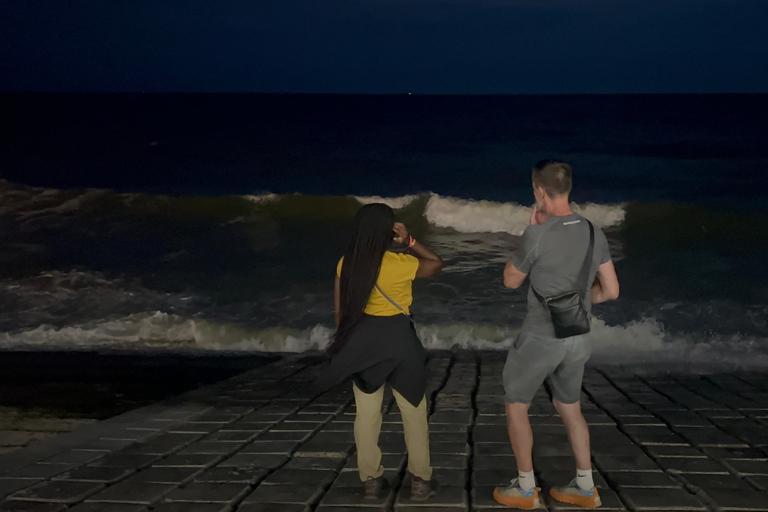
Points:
(472, 216)
(396, 203)
(639, 342)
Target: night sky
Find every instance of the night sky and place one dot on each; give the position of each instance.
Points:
(385, 46)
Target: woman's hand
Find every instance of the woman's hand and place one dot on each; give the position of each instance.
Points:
(402, 233)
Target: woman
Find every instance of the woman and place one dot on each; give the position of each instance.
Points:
(375, 342)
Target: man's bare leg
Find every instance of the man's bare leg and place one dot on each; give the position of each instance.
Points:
(578, 433)
(520, 435)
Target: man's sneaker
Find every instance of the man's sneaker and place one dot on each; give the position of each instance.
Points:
(375, 488)
(514, 496)
(575, 495)
(422, 490)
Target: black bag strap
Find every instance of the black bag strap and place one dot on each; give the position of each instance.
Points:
(582, 281)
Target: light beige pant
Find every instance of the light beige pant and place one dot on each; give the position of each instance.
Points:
(368, 427)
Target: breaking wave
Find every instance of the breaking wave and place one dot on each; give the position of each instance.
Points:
(640, 342)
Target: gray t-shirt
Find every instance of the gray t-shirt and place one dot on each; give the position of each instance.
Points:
(552, 255)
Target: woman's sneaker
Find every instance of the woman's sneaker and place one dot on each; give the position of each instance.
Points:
(422, 490)
(514, 496)
(375, 488)
(575, 495)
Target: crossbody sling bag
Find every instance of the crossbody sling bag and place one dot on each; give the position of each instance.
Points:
(567, 310)
(397, 306)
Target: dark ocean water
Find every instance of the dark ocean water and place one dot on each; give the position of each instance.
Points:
(215, 221)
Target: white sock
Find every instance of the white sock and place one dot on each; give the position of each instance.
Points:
(526, 480)
(584, 479)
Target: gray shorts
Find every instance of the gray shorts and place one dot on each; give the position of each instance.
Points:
(535, 358)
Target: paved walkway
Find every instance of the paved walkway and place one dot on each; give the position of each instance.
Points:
(261, 442)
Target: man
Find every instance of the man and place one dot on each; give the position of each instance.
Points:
(553, 251)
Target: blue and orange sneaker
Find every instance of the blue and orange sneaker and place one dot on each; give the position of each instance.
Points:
(514, 496)
(575, 495)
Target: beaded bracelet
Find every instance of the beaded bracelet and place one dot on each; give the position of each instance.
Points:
(411, 241)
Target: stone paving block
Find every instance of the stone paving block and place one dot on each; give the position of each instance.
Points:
(333, 437)
(661, 499)
(707, 481)
(192, 507)
(482, 498)
(320, 463)
(448, 461)
(640, 479)
(608, 463)
(165, 475)
(560, 463)
(748, 466)
(450, 496)
(490, 433)
(298, 426)
(735, 453)
(197, 460)
(254, 460)
(492, 477)
(163, 445)
(132, 434)
(285, 435)
(279, 493)
(310, 477)
(39, 471)
(553, 478)
(341, 448)
(340, 426)
(58, 491)
(273, 507)
(106, 444)
(450, 477)
(355, 496)
(451, 447)
(211, 447)
(95, 474)
(666, 450)
(281, 447)
(11, 485)
(494, 449)
(438, 427)
(493, 462)
(628, 449)
(443, 437)
(195, 428)
(107, 507)
(125, 460)
(352, 479)
(389, 462)
(31, 506)
(75, 457)
(233, 436)
(130, 492)
(244, 426)
(729, 499)
(690, 465)
(235, 475)
(209, 492)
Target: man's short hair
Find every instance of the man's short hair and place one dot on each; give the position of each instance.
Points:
(553, 176)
